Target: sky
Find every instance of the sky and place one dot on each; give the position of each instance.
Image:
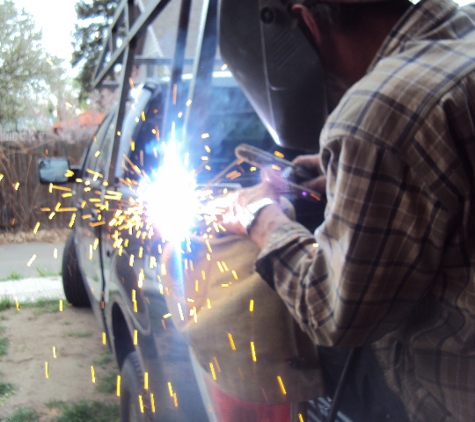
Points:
(56, 19)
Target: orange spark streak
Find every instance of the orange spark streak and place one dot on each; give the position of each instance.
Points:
(119, 379)
(281, 384)
(253, 352)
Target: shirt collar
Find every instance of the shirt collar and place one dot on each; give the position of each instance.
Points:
(420, 19)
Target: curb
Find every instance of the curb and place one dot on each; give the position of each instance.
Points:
(32, 289)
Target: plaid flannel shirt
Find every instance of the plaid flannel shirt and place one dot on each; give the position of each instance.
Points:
(393, 264)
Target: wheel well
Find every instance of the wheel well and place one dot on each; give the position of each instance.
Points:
(123, 344)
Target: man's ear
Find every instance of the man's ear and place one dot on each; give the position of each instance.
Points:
(305, 18)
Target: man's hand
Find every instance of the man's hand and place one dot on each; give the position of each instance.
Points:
(235, 214)
(312, 162)
(234, 206)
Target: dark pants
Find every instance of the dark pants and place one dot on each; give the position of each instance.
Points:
(365, 396)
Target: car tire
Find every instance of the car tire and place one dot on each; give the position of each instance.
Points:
(132, 386)
(73, 282)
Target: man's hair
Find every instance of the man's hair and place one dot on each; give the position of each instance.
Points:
(351, 16)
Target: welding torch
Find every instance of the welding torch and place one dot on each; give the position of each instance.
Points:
(293, 174)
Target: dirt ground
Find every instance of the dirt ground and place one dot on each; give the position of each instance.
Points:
(70, 342)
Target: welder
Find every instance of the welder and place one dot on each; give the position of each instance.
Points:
(392, 266)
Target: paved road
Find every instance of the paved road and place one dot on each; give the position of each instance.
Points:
(38, 265)
(45, 259)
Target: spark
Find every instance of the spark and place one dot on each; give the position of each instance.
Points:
(231, 341)
(145, 380)
(152, 402)
(170, 389)
(253, 352)
(251, 305)
(180, 310)
(46, 369)
(31, 260)
(119, 380)
(54, 352)
(104, 338)
(213, 373)
(136, 337)
(37, 226)
(142, 408)
(281, 385)
(173, 223)
(93, 375)
(61, 306)
(217, 364)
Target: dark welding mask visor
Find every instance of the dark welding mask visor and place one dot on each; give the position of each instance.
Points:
(277, 68)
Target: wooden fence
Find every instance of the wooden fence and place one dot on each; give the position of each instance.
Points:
(24, 202)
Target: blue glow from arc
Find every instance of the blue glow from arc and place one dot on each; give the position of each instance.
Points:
(171, 200)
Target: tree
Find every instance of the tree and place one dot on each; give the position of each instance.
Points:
(25, 70)
(96, 16)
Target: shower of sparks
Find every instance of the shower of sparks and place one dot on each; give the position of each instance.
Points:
(165, 204)
(171, 199)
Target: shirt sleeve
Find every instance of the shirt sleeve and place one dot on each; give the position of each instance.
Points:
(374, 257)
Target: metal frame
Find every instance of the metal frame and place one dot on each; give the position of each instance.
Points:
(124, 50)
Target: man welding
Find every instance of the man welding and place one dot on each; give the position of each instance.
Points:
(393, 264)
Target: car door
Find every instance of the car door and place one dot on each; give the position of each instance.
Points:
(91, 205)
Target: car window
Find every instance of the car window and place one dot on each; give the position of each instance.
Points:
(97, 161)
(129, 160)
(230, 121)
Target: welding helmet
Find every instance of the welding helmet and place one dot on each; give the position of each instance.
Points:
(277, 67)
